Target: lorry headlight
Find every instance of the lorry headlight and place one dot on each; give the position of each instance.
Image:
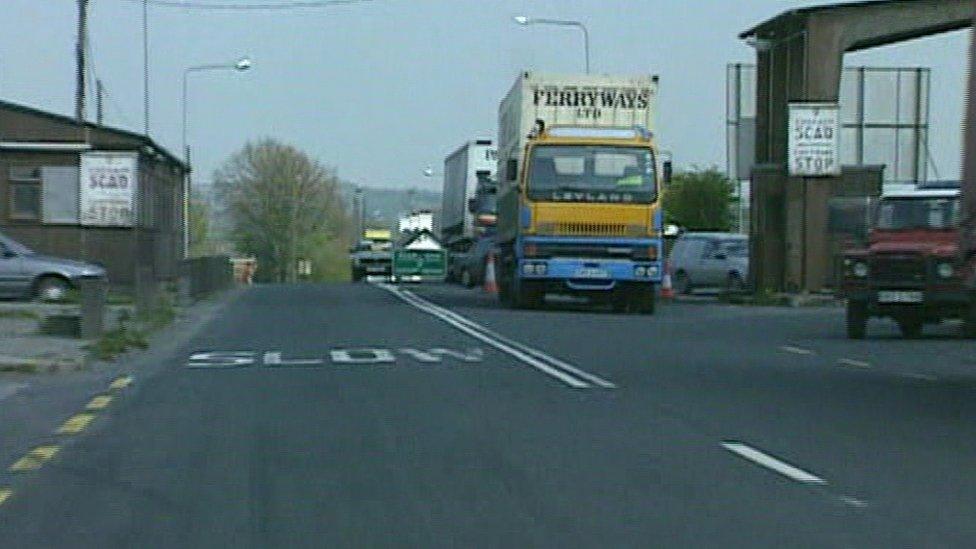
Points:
(541, 269)
(640, 271)
(652, 270)
(528, 268)
(945, 270)
(860, 269)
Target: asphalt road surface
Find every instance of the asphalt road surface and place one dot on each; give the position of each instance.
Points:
(364, 416)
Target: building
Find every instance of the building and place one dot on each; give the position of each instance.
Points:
(91, 192)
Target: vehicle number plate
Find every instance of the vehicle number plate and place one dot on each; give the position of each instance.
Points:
(899, 297)
(590, 272)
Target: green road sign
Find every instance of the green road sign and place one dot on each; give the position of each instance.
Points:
(428, 264)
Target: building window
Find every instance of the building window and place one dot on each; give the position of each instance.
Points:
(25, 193)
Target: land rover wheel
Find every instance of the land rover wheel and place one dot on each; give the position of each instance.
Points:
(857, 319)
(910, 326)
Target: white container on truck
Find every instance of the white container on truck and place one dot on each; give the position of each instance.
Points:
(579, 190)
(473, 163)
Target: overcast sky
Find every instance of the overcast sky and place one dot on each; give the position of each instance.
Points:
(381, 89)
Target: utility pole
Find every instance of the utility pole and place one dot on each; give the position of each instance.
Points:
(99, 97)
(145, 66)
(80, 55)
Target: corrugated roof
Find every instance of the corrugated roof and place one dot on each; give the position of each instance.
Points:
(146, 140)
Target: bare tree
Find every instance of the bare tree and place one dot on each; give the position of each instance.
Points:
(280, 203)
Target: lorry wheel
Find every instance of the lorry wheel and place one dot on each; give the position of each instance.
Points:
(646, 301)
(682, 284)
(910, 326)
(528, 296)
(466, 280)
(857, 319)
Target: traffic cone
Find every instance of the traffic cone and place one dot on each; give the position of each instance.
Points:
(491, 285)
(667, 290)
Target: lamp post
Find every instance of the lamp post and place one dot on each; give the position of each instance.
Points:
(241, 65)
(526, 21)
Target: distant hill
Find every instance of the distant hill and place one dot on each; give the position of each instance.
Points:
(384, 205)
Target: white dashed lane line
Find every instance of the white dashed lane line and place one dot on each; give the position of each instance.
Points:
(853, 363)
(796, 350)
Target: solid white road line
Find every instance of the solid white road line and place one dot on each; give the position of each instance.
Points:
(796, 350)
(592, 378)
(854, 363)
(769, 462)
(534, 358)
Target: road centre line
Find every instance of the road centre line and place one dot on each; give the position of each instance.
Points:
(120, 382)
(596, 380)
(796, 350)
(534, 358)
(586, 376)
(5, 494)
(765, 460)
(854, 363)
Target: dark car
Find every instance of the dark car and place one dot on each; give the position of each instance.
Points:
(471, 266)
(25, 273)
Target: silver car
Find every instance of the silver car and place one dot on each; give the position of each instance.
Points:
(714, 260)
(26, 274)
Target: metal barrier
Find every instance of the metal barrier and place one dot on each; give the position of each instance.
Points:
(204, 276)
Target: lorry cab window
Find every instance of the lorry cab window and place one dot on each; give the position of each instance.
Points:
(592, 174)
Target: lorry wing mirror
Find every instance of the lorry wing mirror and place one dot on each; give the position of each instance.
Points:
(668, 172)
(671, 230)
(511, 169)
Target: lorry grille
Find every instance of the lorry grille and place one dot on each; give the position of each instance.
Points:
(592, 229)
(898, 269)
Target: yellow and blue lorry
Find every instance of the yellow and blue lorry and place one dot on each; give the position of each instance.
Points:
(580, 181)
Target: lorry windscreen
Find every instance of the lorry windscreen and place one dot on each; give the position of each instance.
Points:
(918, 213)
(582, 173)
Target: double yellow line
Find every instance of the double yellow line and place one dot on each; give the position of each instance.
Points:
(37, 457)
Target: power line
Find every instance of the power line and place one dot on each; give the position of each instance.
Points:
(239, 6)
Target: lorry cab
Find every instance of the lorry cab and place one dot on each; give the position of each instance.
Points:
(583, 217)
(910, 269)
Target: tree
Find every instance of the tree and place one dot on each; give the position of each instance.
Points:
(283, 206)
(700, 200)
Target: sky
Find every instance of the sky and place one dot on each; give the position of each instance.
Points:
(381, 89)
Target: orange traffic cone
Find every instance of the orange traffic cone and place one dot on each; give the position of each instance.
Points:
(667, 290)
(491, 284)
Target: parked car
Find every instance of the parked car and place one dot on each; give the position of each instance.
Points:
(716, 260)
(26, 274)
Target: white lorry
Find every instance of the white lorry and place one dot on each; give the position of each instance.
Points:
(466, 170)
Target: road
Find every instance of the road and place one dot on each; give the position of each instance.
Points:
(363, 416)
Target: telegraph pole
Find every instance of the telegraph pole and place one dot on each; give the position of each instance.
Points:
(80, 57)
(145, 65)
(99, 96)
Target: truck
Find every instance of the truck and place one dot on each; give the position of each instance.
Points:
(469, 171)
(579, 199)
(373, 255)
(911, 268)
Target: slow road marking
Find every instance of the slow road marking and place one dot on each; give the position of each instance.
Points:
(854, 363)
(35, 458)
(75, 424)
(796, 350)
(549, 365)
(769, 462)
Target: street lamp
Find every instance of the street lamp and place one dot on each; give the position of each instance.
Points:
(526, 21)
(241, 65)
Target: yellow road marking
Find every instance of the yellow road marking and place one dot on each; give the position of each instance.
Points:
(75, 424)
(35, 458)
(99, 403)
(854, 363)
(121, 382)
(5, 495)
